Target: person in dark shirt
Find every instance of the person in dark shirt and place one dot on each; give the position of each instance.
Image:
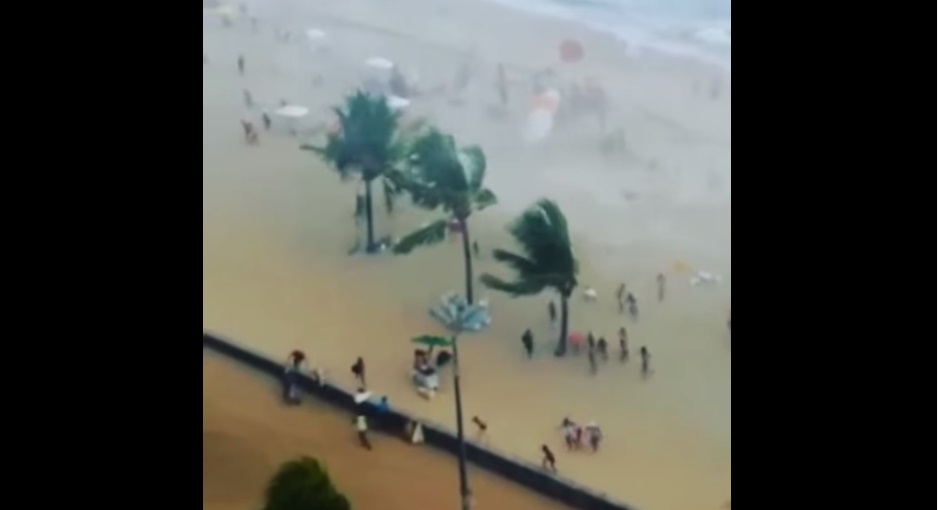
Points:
(358, 369)
(296, 359)
(549, 462)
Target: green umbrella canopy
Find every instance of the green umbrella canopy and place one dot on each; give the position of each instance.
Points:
(433, 341)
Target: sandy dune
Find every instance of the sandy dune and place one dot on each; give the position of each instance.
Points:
(246, 434)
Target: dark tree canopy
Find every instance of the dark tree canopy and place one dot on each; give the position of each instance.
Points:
(304, 484)
(440, 175)
(546, 259)
(367, 141)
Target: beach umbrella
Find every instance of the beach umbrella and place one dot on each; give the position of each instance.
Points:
(380, 63)
(571, 50)
(397, 103)
(292, 111)
(432, 341)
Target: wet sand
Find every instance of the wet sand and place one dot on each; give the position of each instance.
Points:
(277, 225)
(247, 434)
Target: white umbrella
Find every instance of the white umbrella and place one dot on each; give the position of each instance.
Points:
(292, 111)
(398, 103)
(380, 63)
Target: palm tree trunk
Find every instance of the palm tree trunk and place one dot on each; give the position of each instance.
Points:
(467, 258)
(564, 325)
(370, 246)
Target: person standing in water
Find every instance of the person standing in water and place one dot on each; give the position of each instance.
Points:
(241, 65)
(552, 312)
(527, 340)
(265, 119)
(248, 99)
(661, 281)
(620, 297)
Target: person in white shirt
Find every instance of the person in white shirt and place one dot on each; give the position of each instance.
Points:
(361, 425)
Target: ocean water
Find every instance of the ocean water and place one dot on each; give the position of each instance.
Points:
(695, 28)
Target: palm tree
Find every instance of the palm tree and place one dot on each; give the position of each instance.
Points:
(546, 262)
(367, 143)
(443, 176)
(440, 175)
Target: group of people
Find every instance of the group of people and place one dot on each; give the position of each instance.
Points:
(297, 363)
(577, 437)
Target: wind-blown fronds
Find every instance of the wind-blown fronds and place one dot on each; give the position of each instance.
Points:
(546, 259)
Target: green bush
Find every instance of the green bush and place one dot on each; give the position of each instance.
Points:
(304, 484)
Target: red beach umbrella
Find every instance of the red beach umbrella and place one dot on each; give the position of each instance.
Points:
(571, 51)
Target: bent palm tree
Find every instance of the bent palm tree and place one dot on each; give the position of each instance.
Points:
(367, 143)
(546, 262)
(441, 175)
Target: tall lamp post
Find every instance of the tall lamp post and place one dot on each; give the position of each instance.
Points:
(464, 493)
(456, 326)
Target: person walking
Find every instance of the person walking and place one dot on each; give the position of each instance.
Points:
(361, 426)
(358, 370)
(623, 345)
(549, 462)
(646, 362)
(527, 340)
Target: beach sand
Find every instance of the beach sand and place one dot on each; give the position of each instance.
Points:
(277, 225)
(247, 434)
